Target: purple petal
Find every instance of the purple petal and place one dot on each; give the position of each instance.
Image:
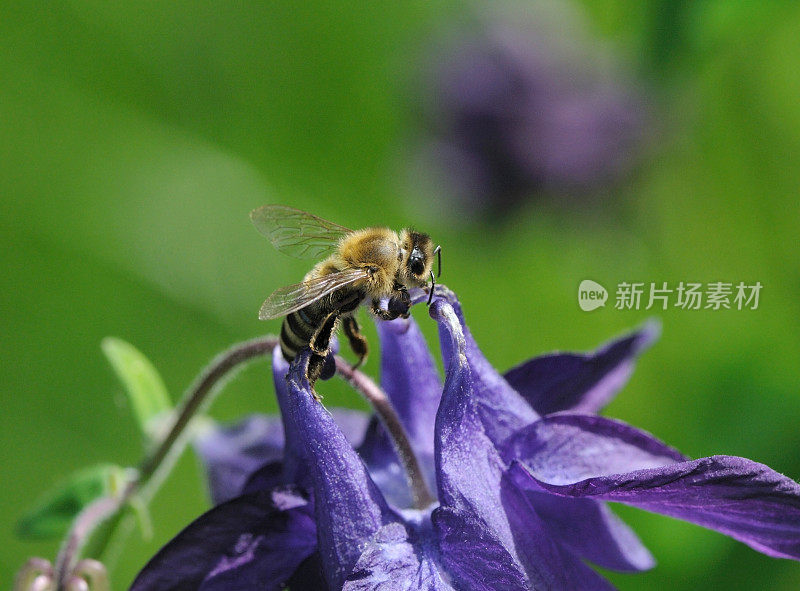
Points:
(410, 379)
(266, 477)
(234, 454)
(580, 382)
(293, 448)
(591, 531)
(391, 563)
(736, 496)
(469, 468)
(231, 454)
(471, 521)
(353, 424)
(349, 506)
(473, 555)
(565, 448)
(253, 541)
(384, 467)
(550, 565)
(501, 409)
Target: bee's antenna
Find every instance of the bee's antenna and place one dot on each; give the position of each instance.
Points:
(433, 284)
(438, 251)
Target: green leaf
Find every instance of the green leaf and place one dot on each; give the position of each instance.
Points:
(53, 514)
(146, 389)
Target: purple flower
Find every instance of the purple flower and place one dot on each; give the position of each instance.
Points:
(516, 111)
(520, 465)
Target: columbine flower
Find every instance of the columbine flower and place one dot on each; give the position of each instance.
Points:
(520, 465)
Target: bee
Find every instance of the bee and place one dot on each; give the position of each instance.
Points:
(375, 265)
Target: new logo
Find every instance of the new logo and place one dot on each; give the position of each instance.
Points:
(591, 295)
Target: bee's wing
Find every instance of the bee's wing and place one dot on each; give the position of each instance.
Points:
(297, 233)
(291, 298)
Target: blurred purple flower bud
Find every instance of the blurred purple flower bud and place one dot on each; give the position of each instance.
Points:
(515, 112)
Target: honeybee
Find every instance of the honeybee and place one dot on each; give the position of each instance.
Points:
(374, 264)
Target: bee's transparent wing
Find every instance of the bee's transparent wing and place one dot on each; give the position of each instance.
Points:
(291, 298)
(296, 232)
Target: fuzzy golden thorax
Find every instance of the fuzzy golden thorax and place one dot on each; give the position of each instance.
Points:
(376, 249)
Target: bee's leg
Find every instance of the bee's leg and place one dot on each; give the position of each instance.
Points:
(315, 365)
(320, 345)
(320, 366)
(400, 302)
(398, 305)
(357, 341)
(321, 339)
(383, 314)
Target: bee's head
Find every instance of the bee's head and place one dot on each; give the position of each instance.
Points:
(418, 257)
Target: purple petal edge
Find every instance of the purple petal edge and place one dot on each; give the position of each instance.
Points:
(469, 471)
(253, 541)
(564, 448)
(590, 530)
(231, 453)
(581, 382)
(738, 497)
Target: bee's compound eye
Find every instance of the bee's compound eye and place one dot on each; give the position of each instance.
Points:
(416, 265)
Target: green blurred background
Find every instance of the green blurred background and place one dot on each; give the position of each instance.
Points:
(136, 137)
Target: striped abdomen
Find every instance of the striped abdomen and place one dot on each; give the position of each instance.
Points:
(298, 328)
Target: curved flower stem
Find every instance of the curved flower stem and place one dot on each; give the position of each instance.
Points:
(197, 397)
(94, 514)
(387, 415)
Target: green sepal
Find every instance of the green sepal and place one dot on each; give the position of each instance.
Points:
(53, 514)
(146, 390)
